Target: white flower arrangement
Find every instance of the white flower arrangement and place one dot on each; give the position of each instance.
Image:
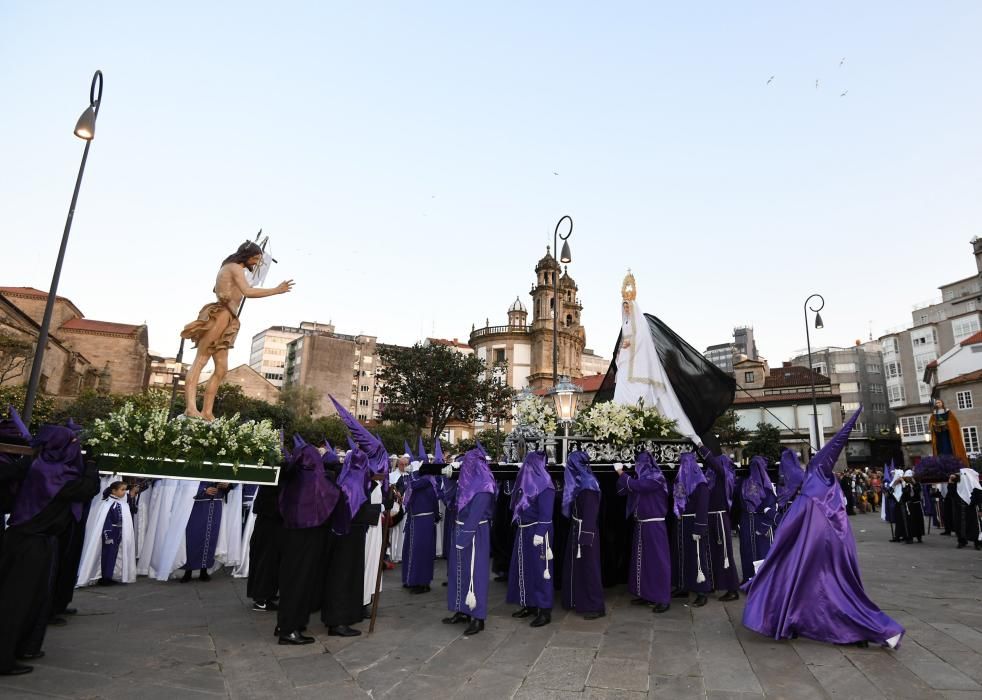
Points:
(535, 417)
(148, 434)
(610, 422)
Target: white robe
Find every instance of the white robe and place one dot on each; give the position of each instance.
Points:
(242, 570)
(228, 551)
(373, 550)
(157, 520)
(641, 376)
(142, 519)
(172, 553)
(90, 565)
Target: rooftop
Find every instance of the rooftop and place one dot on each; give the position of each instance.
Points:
(32, 293)
(85, 325)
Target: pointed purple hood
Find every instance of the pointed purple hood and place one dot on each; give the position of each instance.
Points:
(438, 453)
(378, 458)
(330, 456)
(421, 455)
(532, 480)
(648, 470)
(792, 477)
(757, 484)
(823, 463)
(475, 477)
(577, 477)
(308, 497)
(689, 477)
(58, 463)
(354, 479)
(729, 471)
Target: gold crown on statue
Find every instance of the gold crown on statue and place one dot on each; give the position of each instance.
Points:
(629, 289)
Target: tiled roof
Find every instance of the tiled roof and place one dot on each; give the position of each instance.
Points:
(967, 378)
(35, 294)
(591, 382)
(450, 343)
(973, 339)
(86, 325)
(793, 376)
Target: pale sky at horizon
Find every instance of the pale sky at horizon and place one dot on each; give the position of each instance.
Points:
(401, 158)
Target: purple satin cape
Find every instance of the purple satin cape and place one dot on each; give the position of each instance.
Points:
(308, 498)
(354, 479)
(689, 477)
(728, 469)
(647, 470)
(578, 477)
(809, 584)
(757, 484)
(475, 477)
(532, 480)
(792, 476)
(58, 464)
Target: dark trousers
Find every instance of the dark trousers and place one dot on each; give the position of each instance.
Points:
(300, 557)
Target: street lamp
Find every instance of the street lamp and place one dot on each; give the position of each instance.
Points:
(564, 394)
(85, 130)
(811, 371)
(564, 257)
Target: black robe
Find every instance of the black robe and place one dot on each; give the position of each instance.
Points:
(29, 568)
(909, 515)
(344, 564)
(265, 545)
(966, 516)
(502, 529)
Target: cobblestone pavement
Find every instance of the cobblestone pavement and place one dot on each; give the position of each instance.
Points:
(151, 640)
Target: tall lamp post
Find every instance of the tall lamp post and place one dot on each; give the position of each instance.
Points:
(85, 130)
(564, 257)
(811, 371)
(564, 394)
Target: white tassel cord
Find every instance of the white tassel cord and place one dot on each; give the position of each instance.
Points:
(546, 574)
(471, 599)
(726, 547)
(700, 577)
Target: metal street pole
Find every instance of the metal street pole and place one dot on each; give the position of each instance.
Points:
(818, 324)
(564, 257)
(84, 129)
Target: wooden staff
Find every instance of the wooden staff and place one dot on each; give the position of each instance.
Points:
(7, 448)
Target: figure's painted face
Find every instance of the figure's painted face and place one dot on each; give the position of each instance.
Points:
(253, 261)
(939, 404)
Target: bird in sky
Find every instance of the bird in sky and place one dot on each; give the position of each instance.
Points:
(770, 79)
(554, 172)
(816, 84)
(844, 93)
(842, 61)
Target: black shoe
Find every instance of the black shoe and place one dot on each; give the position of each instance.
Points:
(57, 622)
(862, 645)
(17, 670)
(978, 545)
(700, 600)
(445, 584)
(205, 576)
(31, 657)
(276, 632)
(416, 590)
(896, 539)
(524, 612)
(69, 611)
(919, 540)
(265, 606)
(946, 532)
(728, 596)
(342, 631)
(456, 618)
(542, 619)
(186, 577)
(596, 614)
(474, 627)
(296, 639)
(640, 601)
(107, 582)
(366, 612)
(679, 593)
(660, 608)
(962, 545)
(910, 541)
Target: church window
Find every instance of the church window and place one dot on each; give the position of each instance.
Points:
(552, 304)
(748, 377)
(569, 320)
(499, 355)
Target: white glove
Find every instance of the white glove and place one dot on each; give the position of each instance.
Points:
(618, 467)
(448, 471)
(537, 540)
(696, 537)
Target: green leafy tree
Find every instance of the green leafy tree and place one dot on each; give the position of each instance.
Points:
(16, 395)
(727, 429)
(299, 401)
(493, 441)
(427, 386)
(766, 441)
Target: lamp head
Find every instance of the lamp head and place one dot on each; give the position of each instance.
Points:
(818, 321)
(85, 127)
(565, 256)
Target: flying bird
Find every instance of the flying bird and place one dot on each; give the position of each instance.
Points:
(770, 79)
(816, 84)
(842, 61)
(554, 172)
(844, 93)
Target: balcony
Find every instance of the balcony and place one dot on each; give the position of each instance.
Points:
(491, 330)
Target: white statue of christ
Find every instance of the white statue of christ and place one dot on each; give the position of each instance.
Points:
(640, 376)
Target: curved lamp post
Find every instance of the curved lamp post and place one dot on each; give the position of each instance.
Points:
(564, 257)
(818, 325)
(85, 130)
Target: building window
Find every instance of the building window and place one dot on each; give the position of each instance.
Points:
(894, 370)
(896, 396)
(821, 368)
(569, 320)
(849, 387)
(845, 367)
(499, 355)
(364, 387)
(964, 399)
(914, 426)
(748, 377)
(363, 402)
(850, 406)
(872, 368)
(970, 435)
(859, 427)
(965, 327)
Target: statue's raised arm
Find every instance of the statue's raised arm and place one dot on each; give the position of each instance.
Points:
(214, 331)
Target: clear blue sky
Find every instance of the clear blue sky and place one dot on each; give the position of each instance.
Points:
(401, 156)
